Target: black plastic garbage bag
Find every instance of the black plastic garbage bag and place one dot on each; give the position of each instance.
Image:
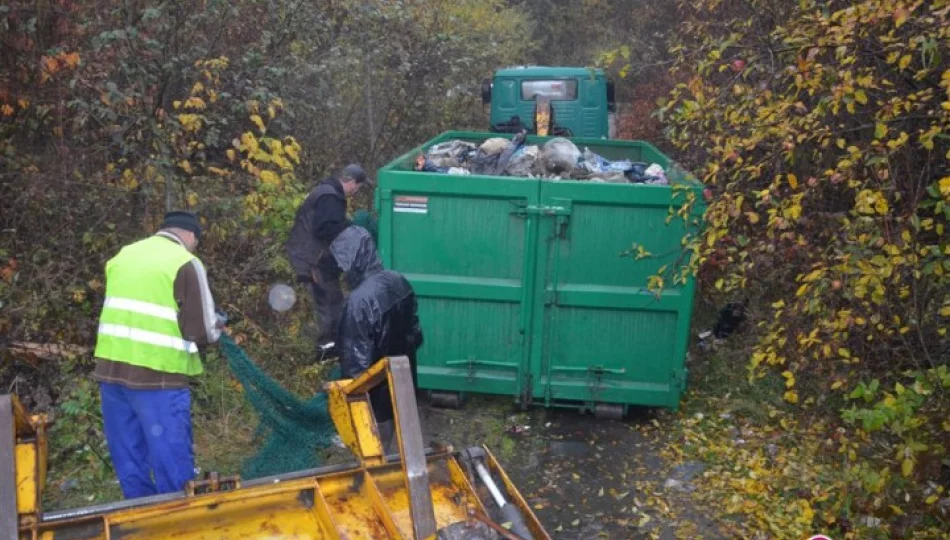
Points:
(637, 173)
(641, 173)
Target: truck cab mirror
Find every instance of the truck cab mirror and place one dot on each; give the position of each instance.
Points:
(611, 97)
(486, 91)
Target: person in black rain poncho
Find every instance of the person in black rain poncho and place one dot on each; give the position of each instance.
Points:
(378, 319)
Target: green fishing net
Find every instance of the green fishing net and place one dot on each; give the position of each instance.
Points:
(294, 430)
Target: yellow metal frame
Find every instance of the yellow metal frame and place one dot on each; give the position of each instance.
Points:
(30, 457)
(353, 416)
(377, 497)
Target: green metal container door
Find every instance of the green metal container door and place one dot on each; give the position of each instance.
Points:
(604, 337)
(463, 250)
(522, 287)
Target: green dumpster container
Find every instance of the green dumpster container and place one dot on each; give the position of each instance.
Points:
(522, 287)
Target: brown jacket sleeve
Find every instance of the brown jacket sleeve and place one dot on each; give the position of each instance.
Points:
(196, 317)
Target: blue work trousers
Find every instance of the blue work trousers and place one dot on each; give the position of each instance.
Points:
(149, 437)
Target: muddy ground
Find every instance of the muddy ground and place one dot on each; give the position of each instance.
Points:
(585, 478)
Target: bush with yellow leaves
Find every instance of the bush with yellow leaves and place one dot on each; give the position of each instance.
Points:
(822, 129)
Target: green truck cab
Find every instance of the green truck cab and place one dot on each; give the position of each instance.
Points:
(568, 101)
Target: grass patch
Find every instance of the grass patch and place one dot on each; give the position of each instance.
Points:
(722, 374)
(80, 472)
(223, 423)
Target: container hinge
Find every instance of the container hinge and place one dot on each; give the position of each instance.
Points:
(471, 365)
(471, 370)
(526, 392)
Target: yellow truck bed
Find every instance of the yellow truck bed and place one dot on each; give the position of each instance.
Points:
(415, 494)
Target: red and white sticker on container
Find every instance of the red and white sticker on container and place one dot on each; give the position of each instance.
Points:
(411, 204)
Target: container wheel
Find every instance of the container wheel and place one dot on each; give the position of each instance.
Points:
(608, 411)
(446, 400)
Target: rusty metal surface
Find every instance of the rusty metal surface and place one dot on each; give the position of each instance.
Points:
(354, 504)
(276, 515)
(409, 438)
(212, 483)
(409, 495)
(351, 511)
(82, 531)
(384, 512)
(107, 508)
(8, 486)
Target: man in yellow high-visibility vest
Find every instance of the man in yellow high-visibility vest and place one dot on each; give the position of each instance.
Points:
(158, 310)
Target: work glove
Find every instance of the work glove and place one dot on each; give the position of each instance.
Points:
(221, 318)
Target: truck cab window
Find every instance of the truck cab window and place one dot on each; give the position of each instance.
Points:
(555, 90)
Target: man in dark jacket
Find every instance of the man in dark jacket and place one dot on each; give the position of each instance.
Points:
(319, 221)
(379, 319)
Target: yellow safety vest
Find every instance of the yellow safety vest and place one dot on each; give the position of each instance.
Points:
(139, 321)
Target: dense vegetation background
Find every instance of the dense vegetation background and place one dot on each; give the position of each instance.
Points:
(820, 127)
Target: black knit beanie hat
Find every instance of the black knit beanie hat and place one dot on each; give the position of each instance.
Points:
(182, 220)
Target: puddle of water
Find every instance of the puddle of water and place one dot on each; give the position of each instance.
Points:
(569, 449)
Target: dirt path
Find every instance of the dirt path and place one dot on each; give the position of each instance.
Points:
(585, 478)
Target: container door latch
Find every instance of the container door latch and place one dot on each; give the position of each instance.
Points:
(523, 209)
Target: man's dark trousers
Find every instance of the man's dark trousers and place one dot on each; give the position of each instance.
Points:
(327, 300)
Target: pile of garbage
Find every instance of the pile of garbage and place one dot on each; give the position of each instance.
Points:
(557, 159)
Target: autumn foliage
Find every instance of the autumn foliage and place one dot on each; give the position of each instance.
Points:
(822, 129)
(112, 113)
